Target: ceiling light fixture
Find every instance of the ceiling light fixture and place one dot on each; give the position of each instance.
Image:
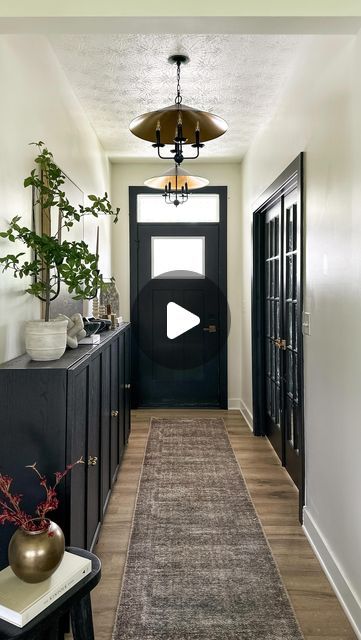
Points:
(177, 184)
(178, 124)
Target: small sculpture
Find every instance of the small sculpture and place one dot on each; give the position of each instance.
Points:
(95, 304)
(75, 329)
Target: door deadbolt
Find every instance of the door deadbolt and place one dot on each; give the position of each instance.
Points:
(211, 328)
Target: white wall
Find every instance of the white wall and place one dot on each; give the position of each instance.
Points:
(320, 114)
(38, 104)
(125, 175)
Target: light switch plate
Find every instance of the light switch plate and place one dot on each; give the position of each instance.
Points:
(306, 323)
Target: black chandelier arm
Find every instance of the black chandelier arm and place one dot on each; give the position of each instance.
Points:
(179, 142)
(175, 196)
(177, 157)
(163, 157)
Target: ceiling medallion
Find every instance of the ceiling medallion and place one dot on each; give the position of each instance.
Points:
(178, 125)
(177, 184)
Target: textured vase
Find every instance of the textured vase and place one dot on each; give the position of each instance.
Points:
(35, 555)
(45, 340)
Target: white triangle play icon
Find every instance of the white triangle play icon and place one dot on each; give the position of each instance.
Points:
(179, 320)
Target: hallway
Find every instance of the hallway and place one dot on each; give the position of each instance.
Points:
(276, 500)
(244, 302)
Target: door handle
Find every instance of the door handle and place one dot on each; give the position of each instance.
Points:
(281, 344)
(211, 328)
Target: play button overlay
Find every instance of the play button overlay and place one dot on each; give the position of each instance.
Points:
(179, 320)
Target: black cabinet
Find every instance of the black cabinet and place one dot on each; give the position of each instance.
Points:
(55, 412)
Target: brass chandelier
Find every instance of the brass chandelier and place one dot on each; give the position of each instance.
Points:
(178, 124)
(177, 184)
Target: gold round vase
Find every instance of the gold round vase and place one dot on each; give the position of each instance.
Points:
(35, 555)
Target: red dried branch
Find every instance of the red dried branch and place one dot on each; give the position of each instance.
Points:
(10, 510)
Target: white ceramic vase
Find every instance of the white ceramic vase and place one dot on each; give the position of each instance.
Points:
(45, 340)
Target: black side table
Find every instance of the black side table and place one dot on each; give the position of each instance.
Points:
(76, 602)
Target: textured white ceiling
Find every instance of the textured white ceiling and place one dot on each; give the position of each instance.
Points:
(117, 77)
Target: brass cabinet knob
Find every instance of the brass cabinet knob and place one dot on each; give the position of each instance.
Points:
(92, 460)
(281, 344)
(115, 413)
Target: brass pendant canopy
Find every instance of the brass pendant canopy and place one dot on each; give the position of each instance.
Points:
(177, 178)
(209, 125)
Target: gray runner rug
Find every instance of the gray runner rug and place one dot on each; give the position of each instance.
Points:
(198, 565)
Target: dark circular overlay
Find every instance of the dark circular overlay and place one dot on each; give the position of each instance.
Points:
(195, 293)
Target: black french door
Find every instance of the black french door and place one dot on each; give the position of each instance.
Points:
(277, 321)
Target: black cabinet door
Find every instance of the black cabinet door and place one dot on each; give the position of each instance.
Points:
(93, 452)
(121, 402)
(105, 429)
(32, 426)
(114, 410)
(77, 428)
(127, 385)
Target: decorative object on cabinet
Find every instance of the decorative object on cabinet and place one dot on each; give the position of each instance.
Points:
(60, 411)
(95, 307)
(45, 340)
(75, 329)
(91, 327)
(54, 260)
(102, 311)
(37, 546)
(109, 295)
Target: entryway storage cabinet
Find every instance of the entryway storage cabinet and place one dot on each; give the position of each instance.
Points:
(54, 413)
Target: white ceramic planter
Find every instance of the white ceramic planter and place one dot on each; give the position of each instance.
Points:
(45, 340)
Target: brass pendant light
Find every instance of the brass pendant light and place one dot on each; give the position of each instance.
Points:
(178, 124)
(177, 184)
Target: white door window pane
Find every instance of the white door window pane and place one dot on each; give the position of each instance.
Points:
(182, 257)
(200, 207)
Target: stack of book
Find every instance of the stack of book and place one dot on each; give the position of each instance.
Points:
(20, 601)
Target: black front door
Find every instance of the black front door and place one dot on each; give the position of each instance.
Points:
(179, 274)
(277, 321)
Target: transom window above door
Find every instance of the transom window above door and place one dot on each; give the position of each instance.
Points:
(200, 207)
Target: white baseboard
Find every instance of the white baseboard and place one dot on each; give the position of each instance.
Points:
(348, 600)
(246, 414)
(234, 403)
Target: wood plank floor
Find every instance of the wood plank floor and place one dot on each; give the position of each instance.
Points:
(276, 501)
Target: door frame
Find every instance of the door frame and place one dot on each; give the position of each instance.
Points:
(221, 191)
(290, 178)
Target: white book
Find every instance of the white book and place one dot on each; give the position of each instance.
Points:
(20, 601)
(93, 339)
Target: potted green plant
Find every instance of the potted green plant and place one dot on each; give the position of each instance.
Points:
(53, 259)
